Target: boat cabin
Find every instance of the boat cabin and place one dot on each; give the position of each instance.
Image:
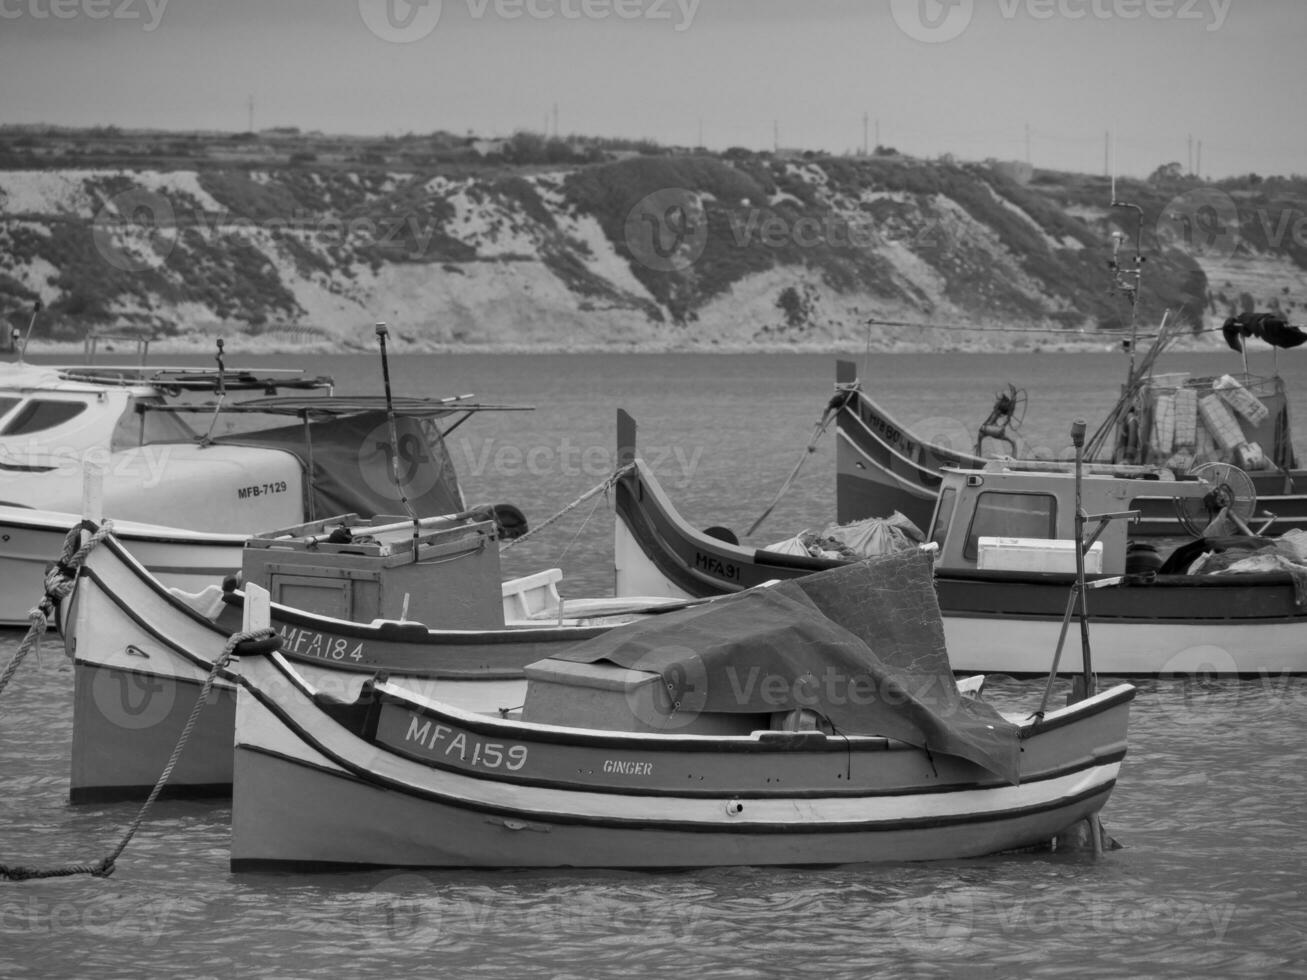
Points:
(1008, 518)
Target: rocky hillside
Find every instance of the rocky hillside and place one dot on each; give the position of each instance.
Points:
(654, 251)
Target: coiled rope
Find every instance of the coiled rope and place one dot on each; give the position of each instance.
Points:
(603, 487)
(105, 866)
(59, 580)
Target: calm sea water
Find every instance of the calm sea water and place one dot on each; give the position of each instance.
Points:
(1212, 880)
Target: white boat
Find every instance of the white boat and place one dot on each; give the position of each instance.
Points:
(647, 747)
(56, 419)
(187, 504)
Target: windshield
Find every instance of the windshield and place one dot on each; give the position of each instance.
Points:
(140, 425)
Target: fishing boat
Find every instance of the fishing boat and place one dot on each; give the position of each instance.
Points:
(186, 494)
(423, 601)
(61, 415)
(650, 747)
(1007, 537)
(883, 466)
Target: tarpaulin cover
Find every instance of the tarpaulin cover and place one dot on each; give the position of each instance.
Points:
(351, 468)
(1270, 327)
(863, 645)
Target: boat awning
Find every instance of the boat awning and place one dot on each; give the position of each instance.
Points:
(339, 406)
(347, 461)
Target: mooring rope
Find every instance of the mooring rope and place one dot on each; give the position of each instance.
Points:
(59, 580)
(600, 488)
(832, 409)
(105, 866)
(584, 524)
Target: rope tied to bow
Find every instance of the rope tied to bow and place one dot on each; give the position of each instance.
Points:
(60, 577)
(603, 487)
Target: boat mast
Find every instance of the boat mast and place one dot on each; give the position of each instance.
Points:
(394, 443)
(1127, 274)
(220, 387)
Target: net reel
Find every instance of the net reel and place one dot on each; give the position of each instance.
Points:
(1009, 412)
(1228, 493)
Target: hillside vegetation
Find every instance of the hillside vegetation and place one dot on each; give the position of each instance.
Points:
(656, 250)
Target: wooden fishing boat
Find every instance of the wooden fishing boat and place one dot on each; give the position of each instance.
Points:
(650, 748)
(142, 651)
(1003, 607)
(883, 466)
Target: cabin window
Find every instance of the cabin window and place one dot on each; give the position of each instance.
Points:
(40, 414)
(943, 515)
(1010, 515)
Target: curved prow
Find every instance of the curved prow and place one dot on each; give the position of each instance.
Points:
(625, 438)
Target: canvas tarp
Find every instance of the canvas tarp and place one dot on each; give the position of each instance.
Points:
(862, 645)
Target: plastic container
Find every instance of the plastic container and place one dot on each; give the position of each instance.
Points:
(1174, 380)
(1186, 418)
(1164, 425)
(1240, 399)
(1220, 422)
(1036, 555)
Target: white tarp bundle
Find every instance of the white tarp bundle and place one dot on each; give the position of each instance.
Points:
(860, 539)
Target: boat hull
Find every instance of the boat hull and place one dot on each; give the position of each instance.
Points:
(30, 540)
(141, 655)
(310, 793)
(1240, 625)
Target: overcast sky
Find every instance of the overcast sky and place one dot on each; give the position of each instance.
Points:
(960, 76)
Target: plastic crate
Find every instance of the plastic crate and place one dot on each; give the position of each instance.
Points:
(1174, 380)
(1240, 399)
(1186, 418)
(1220, 422)
(1164, 425)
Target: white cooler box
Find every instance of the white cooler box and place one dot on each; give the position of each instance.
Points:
(1036, 555)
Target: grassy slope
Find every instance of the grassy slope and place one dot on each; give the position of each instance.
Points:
(1002, 251)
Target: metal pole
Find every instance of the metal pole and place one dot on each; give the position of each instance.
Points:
(394, 439)
(221, 389)
(1078, 440)
(36, 308)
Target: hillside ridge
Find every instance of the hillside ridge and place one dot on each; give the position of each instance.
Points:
(664, 251)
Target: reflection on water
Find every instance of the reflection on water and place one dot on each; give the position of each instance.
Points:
(1210, 883)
